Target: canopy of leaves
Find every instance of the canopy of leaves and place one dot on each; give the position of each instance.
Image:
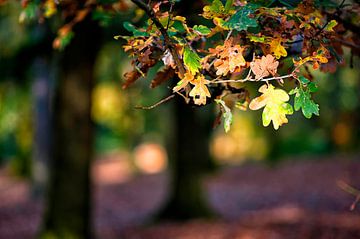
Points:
(237, 43)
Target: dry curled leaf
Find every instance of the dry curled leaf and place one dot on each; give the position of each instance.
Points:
(130, 77)
(162, 76)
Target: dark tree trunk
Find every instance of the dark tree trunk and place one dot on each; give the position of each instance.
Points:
(190, 161)
(189, 153)
(41, 101)
(68, 211)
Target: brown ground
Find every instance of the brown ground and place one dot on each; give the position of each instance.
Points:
(295, 200)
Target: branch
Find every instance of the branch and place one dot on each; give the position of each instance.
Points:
(253, 79)
(156, 104)
(164, 33)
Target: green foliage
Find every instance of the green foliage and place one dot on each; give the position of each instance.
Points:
(191, 60)
(241, 20)
(131, 28)
(303, 100)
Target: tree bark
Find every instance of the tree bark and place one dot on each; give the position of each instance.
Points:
(68, 209)
(190, 161)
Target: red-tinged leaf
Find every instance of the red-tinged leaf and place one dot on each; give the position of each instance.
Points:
(161, 76)
(130, 77)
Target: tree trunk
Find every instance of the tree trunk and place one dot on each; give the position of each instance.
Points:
(41, 101)
(189, 160)
(68, 210)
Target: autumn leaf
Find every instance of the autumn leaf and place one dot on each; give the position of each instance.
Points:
(217, 9)
(226, 112)
(130, 77)
(277, 48)
(229, 56)
(264, 67)
(319, 57)
(162, 76)
(191, 60)
(188, 77)
(200, 90)
(168, 59)
(276, 108)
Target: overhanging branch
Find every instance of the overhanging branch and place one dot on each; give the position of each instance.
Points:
(164, 33)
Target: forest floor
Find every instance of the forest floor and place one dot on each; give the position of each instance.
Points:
(298, 199)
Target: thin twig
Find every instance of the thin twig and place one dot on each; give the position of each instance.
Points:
(253, 79)
(228, 35)
(164, 33)
(156, 104)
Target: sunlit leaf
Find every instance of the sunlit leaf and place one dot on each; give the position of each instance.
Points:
(191, 60)
(276, 108)
(277, 49)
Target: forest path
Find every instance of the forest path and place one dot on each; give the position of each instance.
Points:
(297, 199)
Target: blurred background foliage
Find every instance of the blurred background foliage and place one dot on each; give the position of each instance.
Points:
(122, 128)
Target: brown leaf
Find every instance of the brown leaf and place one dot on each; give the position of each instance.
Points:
(162, 76)
(130, 77)
(264, 67)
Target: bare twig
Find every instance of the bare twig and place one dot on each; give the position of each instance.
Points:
(164, 33)
(156, 104)
(228, 35)
(253, 79)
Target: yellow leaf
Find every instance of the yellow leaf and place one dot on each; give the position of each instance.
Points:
(188, 77)
(277, 48)
(200, 90)
(276, 108)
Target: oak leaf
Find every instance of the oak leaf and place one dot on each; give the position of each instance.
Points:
(276, 108)
(277, 48)
(264, 67)
(200, 90)
(229, 57)
(161, 76)
(188, 77)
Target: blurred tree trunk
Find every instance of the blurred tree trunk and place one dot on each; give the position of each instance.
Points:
(190, 161)
(41, 101)
(189, 153)
(68, 210)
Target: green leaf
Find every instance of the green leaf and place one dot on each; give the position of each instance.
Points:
(216, 9)
(253, 38)
(191, 60)
(201, 29)
(65, 40)
(312, 87)
(331, 25)
(241, 20)
(228, 5)
(226, 112)
(303, 100)
(131, 28)
(179, 26)
(303, 80)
